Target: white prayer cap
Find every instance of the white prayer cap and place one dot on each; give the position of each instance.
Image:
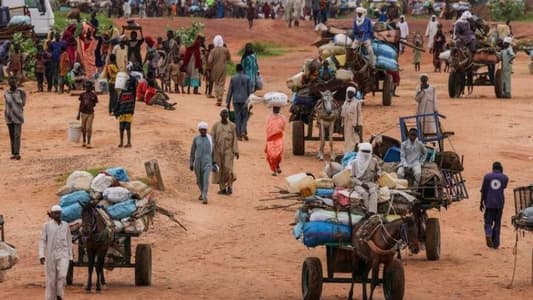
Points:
(402, 17)
(424, 75)
(351, 88)
(224, 109)
(202, 125)
(508, 40)
(360, 10)
(365, 147)
(218, 41)
(56, 208)
(466, 15)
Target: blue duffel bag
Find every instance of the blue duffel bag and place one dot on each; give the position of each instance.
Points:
(71, 212)
(122, 210)
(387, 64)
(320, 233)
(76, 197)
(118, 173)
(383, 49)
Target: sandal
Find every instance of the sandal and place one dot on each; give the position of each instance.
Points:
(127, 146)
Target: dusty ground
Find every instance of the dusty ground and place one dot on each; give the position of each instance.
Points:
(234, 251)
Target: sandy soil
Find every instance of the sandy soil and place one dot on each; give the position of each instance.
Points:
(234, 251)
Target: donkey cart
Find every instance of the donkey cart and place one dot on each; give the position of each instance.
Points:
(302, 113)
(119, 256)
(339, 261)
(523, 220)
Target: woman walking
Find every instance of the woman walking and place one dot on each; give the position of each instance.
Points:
(249, 64)
(192, 65)
(217, 65)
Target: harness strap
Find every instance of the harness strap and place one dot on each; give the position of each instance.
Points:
(378, 250)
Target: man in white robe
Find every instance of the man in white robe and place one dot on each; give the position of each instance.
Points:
(431, 31)
(426, 97)
(55, 252)
(352, 120)
(365, 173)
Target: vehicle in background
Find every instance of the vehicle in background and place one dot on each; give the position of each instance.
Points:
(40, 12)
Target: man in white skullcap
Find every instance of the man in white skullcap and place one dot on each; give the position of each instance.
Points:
(404, 32)
(201, 159)
(352, 119)
(365, 173)
(426, 98)
(55, 252)
(225, 149)
(363, 33)
(507, 57)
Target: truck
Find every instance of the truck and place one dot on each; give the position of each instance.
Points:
(40, 11)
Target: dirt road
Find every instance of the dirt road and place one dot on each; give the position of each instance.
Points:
(234, 251)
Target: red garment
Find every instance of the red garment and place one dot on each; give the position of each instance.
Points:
(142, 85)
(193, 49)
(274, 145)
(149, 94)
(395, 77)
(70, 41)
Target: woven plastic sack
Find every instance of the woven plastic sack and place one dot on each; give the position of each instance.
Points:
(71, 213)
(116, 194)
(119, 173)
(121, 210)
(80, 180)
(8, 256)
(76, 197)
(101, 182)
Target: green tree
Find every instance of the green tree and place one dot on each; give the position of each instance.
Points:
(506, 9)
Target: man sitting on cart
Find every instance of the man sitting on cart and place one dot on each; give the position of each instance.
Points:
(463, 32)
(412, 155)
(365, 173)
(363, 33)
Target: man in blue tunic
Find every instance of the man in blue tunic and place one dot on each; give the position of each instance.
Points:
(492, 202)
(201, 159)
(363, 33)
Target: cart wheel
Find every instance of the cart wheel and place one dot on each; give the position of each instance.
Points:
(70, 273)
(394, 281)
(143, 264)
(386, 97)
(311, 278)
(298, 141)
(456, 84)
(498, 84)
(432, 239)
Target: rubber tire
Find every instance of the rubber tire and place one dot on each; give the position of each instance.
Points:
(143, 265)
(432, 239)
(451, 84)
(498, 84)
(70, 273)
(386, 97)
(311, 279)
(298, 139)
(394, 281)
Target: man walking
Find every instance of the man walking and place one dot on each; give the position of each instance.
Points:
(404, 32)
(507, 56)
(52, 71)
(200, 160)
(225, 148)
(88, 101)
(15, 99)
(426, 97)
(352, 120)
(216, 62)
(55, 252)
(239, 90)
(492, 202)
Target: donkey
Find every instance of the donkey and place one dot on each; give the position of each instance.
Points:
(327, 111)
(375, 243)
(97, 237)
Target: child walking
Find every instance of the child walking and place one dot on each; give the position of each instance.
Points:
(417, 54)
(64, 66)
(41, 59)
(88, 100)
(124, 109)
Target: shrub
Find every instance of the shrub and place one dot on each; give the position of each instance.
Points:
(506, 9)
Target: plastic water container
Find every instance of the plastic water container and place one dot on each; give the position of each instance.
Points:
(74, 132)
(122, 79)
(293, 182)
(343, 178)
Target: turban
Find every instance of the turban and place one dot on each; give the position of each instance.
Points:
(202, 125)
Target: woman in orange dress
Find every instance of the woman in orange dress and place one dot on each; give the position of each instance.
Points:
(274, 146)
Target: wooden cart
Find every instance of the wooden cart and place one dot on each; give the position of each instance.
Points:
(339, 261)
(523, 198)
(142, 264)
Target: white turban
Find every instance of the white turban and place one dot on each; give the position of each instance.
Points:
(362, 160)
(218, 42)
(508, 40)
(466, 15)
(360, 10)
(202, 125)
(56, 208)
(365, 147)
(350, 89)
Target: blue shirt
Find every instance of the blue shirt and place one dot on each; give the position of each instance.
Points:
(492, 189)
(364, 31)
(55, 50)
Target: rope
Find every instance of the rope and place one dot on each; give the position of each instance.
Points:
(515, 254)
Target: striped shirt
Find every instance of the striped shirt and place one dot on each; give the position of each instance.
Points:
(14, 110)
